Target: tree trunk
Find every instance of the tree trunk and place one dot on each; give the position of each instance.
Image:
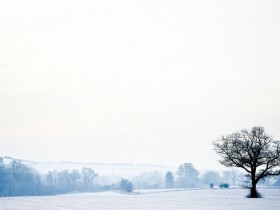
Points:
(253, 192)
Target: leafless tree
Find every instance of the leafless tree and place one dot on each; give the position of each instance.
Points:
(88, 176)
(254, 151)
(187, 175)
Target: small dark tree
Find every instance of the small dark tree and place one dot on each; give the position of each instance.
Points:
(126, 186)
(224, 185)
(169, 179)
(254, 151)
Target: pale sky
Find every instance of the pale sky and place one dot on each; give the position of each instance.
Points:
(135, 81)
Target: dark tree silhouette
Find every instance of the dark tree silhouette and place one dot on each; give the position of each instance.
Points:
(254, 151)
(126, 186)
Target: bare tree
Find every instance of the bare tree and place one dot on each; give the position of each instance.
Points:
(88, 176)
(254, 151)
(52, 182)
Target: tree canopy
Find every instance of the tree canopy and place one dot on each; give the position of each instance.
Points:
(254, 151)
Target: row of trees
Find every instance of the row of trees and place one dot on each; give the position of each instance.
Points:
(188, 177)
(70, 181)
(17, 179)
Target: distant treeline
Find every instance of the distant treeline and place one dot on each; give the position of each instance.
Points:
(18, 179)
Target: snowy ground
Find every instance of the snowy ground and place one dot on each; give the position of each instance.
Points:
(216, 199)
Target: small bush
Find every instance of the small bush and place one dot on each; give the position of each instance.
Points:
(126, 186)
(211, 185)
(224, 185)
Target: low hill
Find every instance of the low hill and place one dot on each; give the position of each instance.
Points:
(116, 169)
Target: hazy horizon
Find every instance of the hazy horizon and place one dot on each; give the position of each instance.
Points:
(144, 82)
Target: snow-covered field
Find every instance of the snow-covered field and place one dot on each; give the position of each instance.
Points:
(216, 199)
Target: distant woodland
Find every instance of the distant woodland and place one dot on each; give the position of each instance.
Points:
(18, 179)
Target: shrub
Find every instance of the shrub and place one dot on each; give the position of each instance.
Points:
(126, 186)
(224, 185)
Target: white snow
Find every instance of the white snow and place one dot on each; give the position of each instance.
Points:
(217, 199)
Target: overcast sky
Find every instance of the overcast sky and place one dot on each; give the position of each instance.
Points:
(135, 81)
